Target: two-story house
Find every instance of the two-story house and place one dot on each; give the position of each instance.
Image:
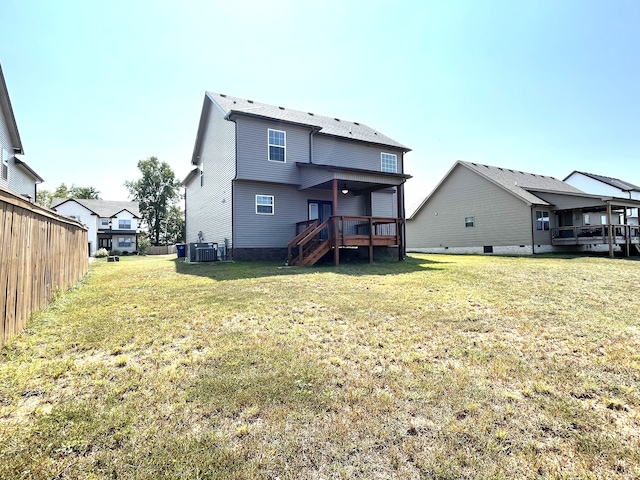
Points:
(15, 174)
(274, 183)
(602, 185)
(112, 225)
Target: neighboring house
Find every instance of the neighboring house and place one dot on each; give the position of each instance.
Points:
(15, 174)
(276, 183)
(601, 185)
(483, 209)
(112, 225)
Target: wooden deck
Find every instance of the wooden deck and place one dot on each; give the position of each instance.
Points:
(596, 234)
(314, 240)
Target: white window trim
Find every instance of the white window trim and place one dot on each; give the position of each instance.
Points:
(269, 145)
(273, 205)
(124, 228)
(382, 154)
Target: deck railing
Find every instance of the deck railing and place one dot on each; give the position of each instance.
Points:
(342, 231)
(585, 234)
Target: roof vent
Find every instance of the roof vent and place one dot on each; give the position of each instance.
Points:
(234, 101)
(281, 108)
(337, 119)
(356, 123)
(223, 95)
(250, 101)
(310, 113)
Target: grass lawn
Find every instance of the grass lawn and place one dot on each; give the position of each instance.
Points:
(437, 367)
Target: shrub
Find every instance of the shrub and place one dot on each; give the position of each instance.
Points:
(125, 252)
(143, 244)
(101, 253)
(116, 252)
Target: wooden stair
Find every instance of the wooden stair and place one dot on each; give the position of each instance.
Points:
(309, 244)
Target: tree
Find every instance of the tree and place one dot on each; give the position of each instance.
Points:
(88, 193)
(157, 192)
(44, 197)
(174, 231)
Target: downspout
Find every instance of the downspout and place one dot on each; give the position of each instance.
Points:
(233, 192)
(313, 131)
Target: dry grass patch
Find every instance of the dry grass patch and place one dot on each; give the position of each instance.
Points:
(438, 367)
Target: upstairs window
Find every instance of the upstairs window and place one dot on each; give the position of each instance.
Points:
(277, 145)
(469, 222)
(542, 220)
(264, 204)
(104, 222)
(124, 224)
(389, 162)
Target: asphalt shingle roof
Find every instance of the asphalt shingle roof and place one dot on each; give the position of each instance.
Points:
(102, 208)
(327, 125)
(614, 182)
(519, 182)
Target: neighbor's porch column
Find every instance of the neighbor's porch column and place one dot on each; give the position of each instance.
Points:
(610, 229)
(336, 252)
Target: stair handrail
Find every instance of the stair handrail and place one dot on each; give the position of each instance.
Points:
(305, 237)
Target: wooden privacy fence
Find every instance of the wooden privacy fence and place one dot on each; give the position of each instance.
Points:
(161, 249)
(41, 252)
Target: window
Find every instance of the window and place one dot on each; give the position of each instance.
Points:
(587, 219)
(542, 220)
(389, 162)
(104, 222)
(264, 204)
(124, 224)
(124, 242)
(277, 145)
(468, 221)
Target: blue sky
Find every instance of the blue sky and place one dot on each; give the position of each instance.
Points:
(545, 86)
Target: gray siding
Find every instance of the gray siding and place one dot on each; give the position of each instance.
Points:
(253, 151)
(209, 206)
(500, 218)
(334, 151)
(384, 204)
(252, 230)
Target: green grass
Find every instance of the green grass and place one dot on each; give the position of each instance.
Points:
(437, 367)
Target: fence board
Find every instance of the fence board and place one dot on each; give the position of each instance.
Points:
(41, 252)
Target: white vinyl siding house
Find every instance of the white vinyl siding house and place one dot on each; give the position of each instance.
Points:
(113, 225)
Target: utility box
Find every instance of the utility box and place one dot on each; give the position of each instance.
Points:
(206, 254)
(202, 252)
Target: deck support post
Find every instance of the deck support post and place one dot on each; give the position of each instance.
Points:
(336, 251)
(370, 240)
(610, 229)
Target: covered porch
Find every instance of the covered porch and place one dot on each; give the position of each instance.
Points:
(333, 229)
(605, 224)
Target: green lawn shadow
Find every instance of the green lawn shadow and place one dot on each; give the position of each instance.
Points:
(240, 270)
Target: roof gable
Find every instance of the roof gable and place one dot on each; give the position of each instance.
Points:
(7, 112)
(515, 182)
(613, 182)
(325, 125)
(101, 208)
